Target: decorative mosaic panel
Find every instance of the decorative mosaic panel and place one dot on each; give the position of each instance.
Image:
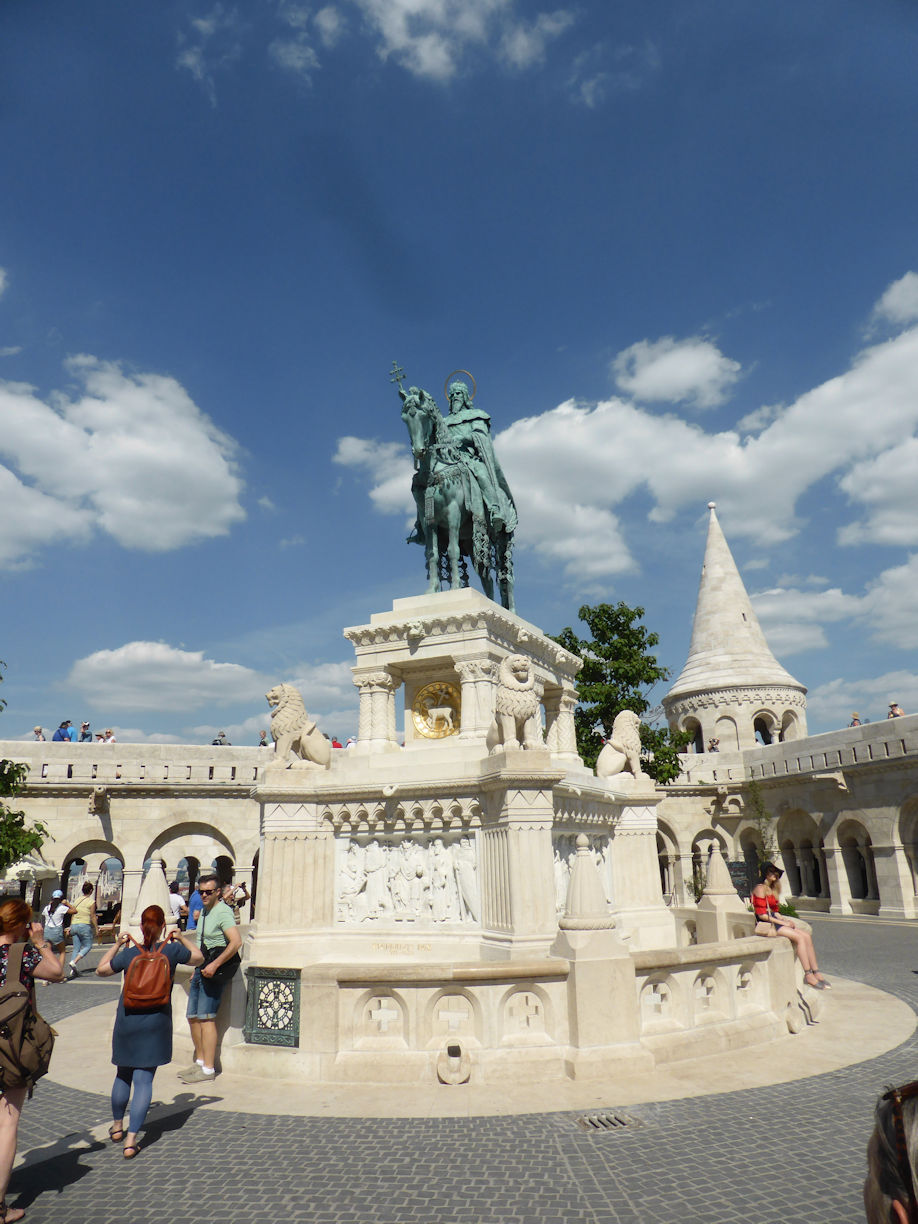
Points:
(272, 1009)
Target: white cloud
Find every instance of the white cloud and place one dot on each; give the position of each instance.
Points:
(430, 37)
(835, 701)
(4, 281)
(793, 620)
(211, 44)
(886, 485)
(330, 24)
(888, 608)
(389, 468)
(692, 371)
(294, 54)
(156, 676)
(130, 454)
(10, 350)
(899, 304)
(601, 70)
(523, 44)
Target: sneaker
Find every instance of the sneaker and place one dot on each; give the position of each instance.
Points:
(74, 972)
(185, 1071)
(198, 1075)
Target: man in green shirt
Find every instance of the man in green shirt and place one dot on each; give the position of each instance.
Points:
(219, 940)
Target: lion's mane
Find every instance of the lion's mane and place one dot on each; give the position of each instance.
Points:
(626, 733)
(288, 712)
(515, 696)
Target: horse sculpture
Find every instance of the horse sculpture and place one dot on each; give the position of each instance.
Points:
(451, 524)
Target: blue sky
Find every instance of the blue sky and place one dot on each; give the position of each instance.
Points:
(674, 242)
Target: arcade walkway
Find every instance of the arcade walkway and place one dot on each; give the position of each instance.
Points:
(693, 1160)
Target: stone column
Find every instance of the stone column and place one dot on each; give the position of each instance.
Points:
(638, 902)
(837, 879)
(897, 899)
(518, 911)
(477, 678)
(682, 879)
(561, 731)
(376, 720)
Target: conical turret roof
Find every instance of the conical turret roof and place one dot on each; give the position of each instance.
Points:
(728, 646)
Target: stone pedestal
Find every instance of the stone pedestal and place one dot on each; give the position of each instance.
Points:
(637, 903)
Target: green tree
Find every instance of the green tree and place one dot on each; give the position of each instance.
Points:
(619, 672)
(16, 838)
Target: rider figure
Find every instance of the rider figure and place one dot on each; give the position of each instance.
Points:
(470, 430)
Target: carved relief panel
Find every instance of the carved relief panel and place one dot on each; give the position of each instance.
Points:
(424, 880)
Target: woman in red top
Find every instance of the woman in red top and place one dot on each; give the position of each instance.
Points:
(38, 961)
(766, 902)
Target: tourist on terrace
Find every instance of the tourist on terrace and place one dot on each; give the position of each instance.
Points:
(84, 926)
(219, 940)
(889, 1188)
(766, 903)
(52, 917)
(142, 1040)
(38, 961)
(895, 710)
(39, 735)
(855, 720)
(85, 733)
(62, 734)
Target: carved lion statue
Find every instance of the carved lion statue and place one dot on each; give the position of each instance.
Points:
(516, 707)
(622, 751)
(293, 730)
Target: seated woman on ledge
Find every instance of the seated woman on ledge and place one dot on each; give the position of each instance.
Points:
(766, 902)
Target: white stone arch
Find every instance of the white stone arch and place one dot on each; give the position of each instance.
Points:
(692, 725)
(766, 727)
(701, 846)
(790, 726)
(190, 839)
(92, 851)
(857, 859)
(726, 731)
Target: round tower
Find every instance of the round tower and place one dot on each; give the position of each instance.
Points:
(731, 686)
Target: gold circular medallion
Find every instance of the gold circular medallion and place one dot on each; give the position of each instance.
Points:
(436, 710)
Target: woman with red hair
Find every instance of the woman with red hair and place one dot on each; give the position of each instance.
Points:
(142, 1040)
(38, 961)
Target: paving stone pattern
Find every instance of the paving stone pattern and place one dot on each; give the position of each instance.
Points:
(703, 1161)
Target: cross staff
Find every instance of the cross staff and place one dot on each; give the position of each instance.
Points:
(396, 374)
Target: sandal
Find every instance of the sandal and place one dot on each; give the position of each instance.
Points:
(10, 1213)
(823, 984)
(115, 1133)
(816, 984)
(130, 1151)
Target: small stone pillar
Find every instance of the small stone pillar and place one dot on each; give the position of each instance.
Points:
(603, 1017)
(837, 875)
(153, 891)
(721, 913)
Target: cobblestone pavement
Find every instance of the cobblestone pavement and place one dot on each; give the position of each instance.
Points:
(694, 1161)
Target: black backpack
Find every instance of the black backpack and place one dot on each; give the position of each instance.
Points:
(26, 1040)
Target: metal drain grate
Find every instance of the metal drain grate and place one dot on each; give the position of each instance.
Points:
(607, 1122)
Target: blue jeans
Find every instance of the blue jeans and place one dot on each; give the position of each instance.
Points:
(81, 933)
(204, 995)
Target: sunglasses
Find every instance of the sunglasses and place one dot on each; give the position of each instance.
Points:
(207, 892)
(897, 1096)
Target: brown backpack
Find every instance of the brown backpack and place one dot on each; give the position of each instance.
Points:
(147, 980)
(26, 1040)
